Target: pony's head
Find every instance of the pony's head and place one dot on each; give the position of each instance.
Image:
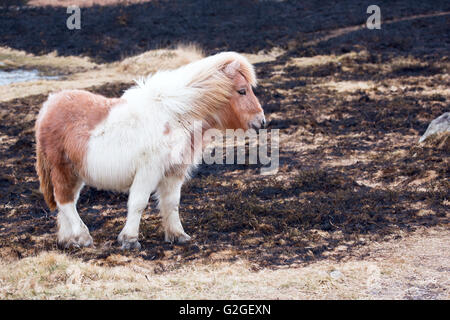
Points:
(244, 109)
(224, 83)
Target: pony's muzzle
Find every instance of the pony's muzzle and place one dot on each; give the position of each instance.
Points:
(258, 124)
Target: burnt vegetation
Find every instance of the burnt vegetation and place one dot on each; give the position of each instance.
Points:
(351, 170)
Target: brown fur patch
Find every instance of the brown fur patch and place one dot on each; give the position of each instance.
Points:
(62, 135)
(46, 185)
(166, 128)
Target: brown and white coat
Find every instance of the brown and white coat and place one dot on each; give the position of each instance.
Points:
(139, 143)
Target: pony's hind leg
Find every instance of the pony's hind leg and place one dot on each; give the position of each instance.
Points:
(169, 191)
(71, 229)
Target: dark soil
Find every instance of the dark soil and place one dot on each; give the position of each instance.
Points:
(320, 200)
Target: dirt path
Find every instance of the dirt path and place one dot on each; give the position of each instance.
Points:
(416, 267)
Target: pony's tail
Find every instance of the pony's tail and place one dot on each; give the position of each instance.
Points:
(43, 171)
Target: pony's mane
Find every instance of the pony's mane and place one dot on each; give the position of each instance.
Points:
(196, 91)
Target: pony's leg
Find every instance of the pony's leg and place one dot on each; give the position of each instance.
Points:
(169, 190)
(71, 229)
(145, 181)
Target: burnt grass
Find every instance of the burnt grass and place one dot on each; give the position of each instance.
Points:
(321, 203)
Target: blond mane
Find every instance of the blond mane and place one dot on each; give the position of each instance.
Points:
(198, 90)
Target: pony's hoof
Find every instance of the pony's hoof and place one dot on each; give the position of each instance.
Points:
(129, 243)
(179, 238)
(80, 241)
(183, 238)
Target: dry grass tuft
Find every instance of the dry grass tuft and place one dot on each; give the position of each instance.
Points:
(50, 64)
(162, 59)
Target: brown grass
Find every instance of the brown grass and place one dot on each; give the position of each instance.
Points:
(412, 268)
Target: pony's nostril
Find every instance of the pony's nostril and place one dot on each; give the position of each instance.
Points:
(263, 123)
(254, 126)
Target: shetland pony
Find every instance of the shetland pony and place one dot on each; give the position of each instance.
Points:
(138, 143)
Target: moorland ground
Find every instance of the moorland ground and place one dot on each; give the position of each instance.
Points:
(354, 192)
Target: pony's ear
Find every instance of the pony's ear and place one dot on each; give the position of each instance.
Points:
(232, 68)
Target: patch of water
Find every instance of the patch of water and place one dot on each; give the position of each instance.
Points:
(19, 75)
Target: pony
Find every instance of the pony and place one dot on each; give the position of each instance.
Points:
(139, 143)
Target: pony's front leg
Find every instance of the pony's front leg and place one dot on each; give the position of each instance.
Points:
(143, 185)
(169, 190)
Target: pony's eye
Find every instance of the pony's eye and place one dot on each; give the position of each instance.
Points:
(242, 92)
